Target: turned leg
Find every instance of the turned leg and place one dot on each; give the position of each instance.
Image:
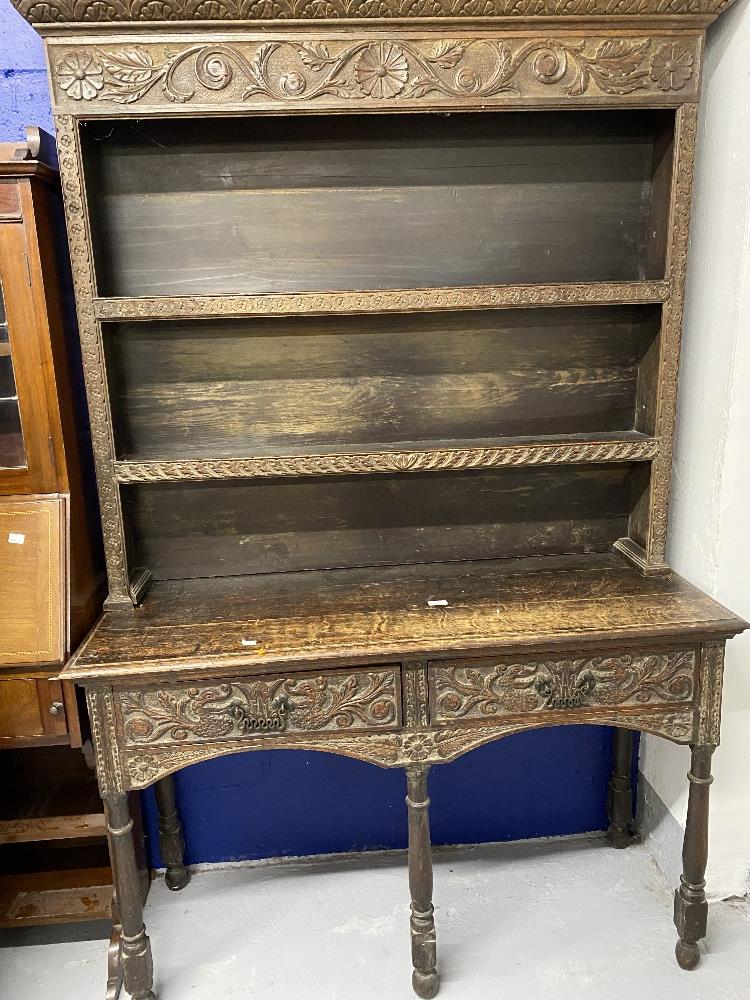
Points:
(135, 947)
(690, 906)
(620, 791)
(114, 956)
(171, 842)
(423, 947)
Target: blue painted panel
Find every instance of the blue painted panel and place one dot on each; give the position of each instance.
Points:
(284, 803)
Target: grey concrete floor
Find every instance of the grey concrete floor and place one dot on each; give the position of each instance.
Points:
(569, 919)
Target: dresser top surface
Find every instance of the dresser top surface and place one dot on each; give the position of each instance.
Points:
(295, 620)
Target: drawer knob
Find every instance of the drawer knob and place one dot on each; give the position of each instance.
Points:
(56, 708)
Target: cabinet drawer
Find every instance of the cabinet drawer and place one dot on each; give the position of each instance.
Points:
(486, 689)
(32, 581)
(352, 700)
(32, 709)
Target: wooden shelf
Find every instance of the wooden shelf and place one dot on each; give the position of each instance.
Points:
(386, 301)
(33, 829)
(629, 446)
(54, 897)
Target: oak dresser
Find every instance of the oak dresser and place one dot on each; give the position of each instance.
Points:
(380, 309)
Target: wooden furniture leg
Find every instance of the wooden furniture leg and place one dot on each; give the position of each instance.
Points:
(171, 840)
(620, 791)
(114, 957)
(423, 946)
(690, 906)
(137, 965)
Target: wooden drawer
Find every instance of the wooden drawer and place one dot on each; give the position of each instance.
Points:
(491, 688)
(32, 710)
(32, 581)
(351, 700)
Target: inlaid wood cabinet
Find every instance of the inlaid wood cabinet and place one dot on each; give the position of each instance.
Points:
(380, 313)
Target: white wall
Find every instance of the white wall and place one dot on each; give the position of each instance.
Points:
(709, 540)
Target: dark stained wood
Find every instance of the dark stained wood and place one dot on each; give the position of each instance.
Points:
(136, 948)
(299, 204)
(620, 791)
(368, 614)
(425, 979)
(224, 529)
(171, 841)
(690, 906)
(234, 388)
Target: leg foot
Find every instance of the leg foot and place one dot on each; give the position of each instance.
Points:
(690, 906)
(620, 792)
(114, 957)
(137, 966)
(688, 955)
(171, 841)
(423, 945)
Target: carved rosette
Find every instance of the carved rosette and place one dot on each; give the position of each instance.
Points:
(326, 703)
(486, 691)
(382, 72)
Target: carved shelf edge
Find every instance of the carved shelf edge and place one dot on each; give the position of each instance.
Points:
(388, 72)
(46, 12)
(636, 449)
(390, 300)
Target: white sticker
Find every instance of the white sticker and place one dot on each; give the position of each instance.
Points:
(16, 538)
(249, 642)
(437, 604)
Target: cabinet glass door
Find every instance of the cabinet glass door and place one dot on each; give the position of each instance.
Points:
(12, 452)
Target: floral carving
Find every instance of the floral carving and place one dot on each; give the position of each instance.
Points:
(463, 692)
(419, 746)
(183, 714)
(672, 66)
(80, 76)
(292, 70)
(381, 70)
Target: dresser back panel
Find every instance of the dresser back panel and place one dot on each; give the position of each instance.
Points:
(249, 205)
(239, 387)
(186, 530)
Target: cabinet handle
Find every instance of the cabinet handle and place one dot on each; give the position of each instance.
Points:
(56, 708)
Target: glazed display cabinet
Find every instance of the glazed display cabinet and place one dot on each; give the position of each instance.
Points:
(380, 313)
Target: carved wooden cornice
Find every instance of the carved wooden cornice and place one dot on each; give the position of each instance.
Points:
(46, 12)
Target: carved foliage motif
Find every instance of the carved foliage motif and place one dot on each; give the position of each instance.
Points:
(46, 11)
(183, 714)
(712, 682)
(284, 71)
(476, 692)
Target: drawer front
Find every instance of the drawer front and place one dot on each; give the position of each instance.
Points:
(353, 700)
(486, 689)
(32, 581)
(31, 709)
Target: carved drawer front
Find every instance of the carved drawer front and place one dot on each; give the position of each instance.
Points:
(355, 700)
(484, 689)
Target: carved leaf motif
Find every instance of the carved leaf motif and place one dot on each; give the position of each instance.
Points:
(616, 67)
(315, 55)
(448, 54)
(129, 65)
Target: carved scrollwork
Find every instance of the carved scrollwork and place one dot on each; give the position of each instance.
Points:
(103, 11)
(479, 691)
(288, 71)
(184, 714)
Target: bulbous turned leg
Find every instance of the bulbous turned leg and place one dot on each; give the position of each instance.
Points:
(135, 947)
(171, 841)
(690, 905)
(423, 945)
(620, 791)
